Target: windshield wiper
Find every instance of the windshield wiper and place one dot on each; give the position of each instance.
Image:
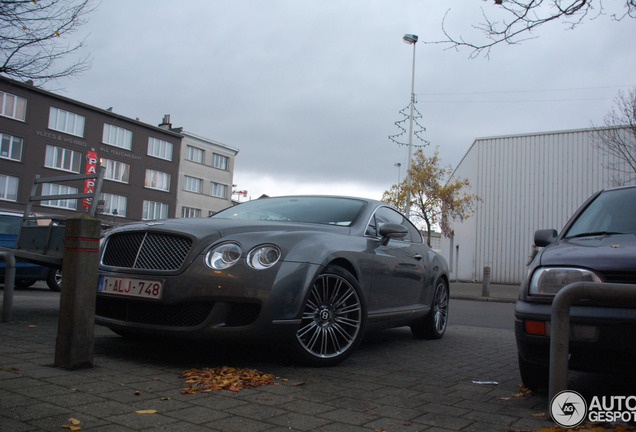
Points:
(592, 234)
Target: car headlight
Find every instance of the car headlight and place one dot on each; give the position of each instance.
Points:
(262, 257)
(223, 256)
(549, 280)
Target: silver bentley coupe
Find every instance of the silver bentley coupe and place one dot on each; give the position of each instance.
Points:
(314, 272)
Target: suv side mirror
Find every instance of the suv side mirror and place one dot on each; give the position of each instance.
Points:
(544, 237)
(391, 230)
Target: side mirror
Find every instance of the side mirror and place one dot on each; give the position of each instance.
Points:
(544, 237)
(391, 230)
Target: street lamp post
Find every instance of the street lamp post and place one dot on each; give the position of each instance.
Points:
(410, 39)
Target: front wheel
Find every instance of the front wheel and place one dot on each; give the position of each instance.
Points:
(534, 376)
(54, 279)
(333, 319)
(433, 325)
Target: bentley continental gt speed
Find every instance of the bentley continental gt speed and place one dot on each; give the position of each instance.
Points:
(313, 271)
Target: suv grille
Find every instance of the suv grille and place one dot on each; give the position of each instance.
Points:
(146, 250)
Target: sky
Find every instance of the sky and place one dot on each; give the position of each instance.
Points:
(309, 91)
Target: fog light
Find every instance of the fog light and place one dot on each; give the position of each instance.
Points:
(535, 327)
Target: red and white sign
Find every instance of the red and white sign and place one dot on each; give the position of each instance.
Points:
(91, 168)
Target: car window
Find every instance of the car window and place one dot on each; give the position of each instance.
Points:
(387, 215)
(320, 210)
(10, 224)
(611, 212)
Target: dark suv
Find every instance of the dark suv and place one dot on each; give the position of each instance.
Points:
(598, 244)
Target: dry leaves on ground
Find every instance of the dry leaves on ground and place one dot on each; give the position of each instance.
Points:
(206, 380)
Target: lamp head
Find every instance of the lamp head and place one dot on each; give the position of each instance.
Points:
(410, 38)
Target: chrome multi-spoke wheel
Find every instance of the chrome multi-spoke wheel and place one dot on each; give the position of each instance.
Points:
(333, 319)
(433, 325)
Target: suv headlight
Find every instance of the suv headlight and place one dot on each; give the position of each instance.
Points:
(549, 280)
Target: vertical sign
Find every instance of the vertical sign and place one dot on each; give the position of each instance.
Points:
(91, 168)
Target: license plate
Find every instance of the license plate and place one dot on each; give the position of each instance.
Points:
(144, 288)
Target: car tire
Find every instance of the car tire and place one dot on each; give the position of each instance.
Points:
(433, 324)
(333, 319)
(54, 279)
(534, 376)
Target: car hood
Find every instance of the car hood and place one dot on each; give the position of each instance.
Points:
(601, 253)
(209, 228)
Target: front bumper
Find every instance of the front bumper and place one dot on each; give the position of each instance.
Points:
(602, 338)
(200, 302)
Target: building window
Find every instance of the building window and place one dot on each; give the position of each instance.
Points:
(159, 148)
(117, 136)
(194, 154)
(114, 204)
(189, 212)
(67, 122)
(157, 180)
(154, 210)
(8, 188)
(13, 106)
(218, 190)
(56, 189)
(192, 184)
(11, 147)
(62, 159)
(116, 171)
(219, 161)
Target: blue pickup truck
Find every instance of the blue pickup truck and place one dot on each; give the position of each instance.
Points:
(26, 273)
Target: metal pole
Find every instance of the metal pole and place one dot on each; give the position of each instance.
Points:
(408, 166)
(9, 282)
(560, 323)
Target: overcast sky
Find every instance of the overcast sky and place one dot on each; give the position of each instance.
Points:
(309, 90)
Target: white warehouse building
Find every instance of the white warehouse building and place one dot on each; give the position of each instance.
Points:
(525, 183)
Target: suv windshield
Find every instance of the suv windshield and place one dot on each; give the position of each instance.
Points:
(612, 212)
(320, 210)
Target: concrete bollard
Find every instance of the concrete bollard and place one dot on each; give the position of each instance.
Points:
(485, 288)
(75, 342)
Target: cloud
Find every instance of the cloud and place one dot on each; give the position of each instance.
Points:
(309, 91)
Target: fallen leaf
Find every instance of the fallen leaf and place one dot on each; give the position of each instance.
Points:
(149, 411)
(74, 421)
(206, 380)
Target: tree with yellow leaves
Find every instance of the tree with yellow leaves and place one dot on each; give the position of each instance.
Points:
(436, 196)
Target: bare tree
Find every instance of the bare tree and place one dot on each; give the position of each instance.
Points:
(33, 38)
(617, 137)
(522, 17)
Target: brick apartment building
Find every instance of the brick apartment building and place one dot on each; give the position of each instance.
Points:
(49, 135)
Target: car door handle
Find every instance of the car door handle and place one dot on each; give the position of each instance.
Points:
(417, 257)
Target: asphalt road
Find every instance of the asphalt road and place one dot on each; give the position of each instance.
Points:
(482, 314)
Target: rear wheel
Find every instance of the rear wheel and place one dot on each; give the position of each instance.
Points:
(333, 319)
(433, 325)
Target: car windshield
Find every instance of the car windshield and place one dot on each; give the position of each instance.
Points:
(319, 210)
(612, 212)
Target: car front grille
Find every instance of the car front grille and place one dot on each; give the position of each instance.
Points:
(146, 250)
(188, 314)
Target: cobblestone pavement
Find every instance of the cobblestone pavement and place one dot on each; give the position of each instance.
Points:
(393, 383)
